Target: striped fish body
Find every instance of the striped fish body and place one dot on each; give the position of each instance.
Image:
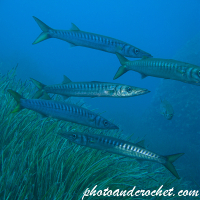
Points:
(76, 37)
(67, 112)
(99, 42)
(117, 146)
(95, 89)
(166, 68)
(121, 147)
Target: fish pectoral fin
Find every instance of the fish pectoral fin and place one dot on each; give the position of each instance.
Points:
(74, 27)
(110, 92)
(181, 72)
(143, 76)
(119, 48)
(66, 80)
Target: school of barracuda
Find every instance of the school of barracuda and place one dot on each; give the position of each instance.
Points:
(147, 66)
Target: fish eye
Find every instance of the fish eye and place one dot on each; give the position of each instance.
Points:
(136, 51)
(128, 89)
(105, 123)
(74, 136)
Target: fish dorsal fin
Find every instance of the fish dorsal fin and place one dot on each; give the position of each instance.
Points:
(143, 76)
(140, 144)
(66, 80)
(74, 27)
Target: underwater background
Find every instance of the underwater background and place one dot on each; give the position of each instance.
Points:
(165, 29)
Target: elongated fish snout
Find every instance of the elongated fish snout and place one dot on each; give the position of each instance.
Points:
(109, 125)
(142, 91)
(114, 127)
(145, 91)
(145, 54)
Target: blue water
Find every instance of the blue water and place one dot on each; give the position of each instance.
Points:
(160, 28)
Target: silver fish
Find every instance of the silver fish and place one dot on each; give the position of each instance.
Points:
(76, 37)
(88, 89)
(162, 68)
(62, 111)
(166, 109)
(121, 147)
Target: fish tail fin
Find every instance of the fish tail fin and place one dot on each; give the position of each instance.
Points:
(17, 98)
(45, 34)
(168, 164)
(40, 91)
(122, 70)
(45, 96)
(122, 59)
(38, 84)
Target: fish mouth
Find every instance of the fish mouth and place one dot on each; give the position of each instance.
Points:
(145, 54)
(143, 91)
(114, 127)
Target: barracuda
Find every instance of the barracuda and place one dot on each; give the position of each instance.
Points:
(76, 37)
(162, 68)
(88, 89)
(62, 111)
(121, 147)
